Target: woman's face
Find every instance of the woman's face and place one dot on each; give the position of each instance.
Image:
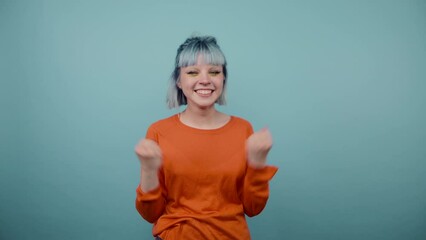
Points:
(202, 84)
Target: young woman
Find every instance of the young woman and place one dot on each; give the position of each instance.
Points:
(202, 170)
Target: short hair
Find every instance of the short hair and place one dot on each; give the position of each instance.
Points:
(187, 55)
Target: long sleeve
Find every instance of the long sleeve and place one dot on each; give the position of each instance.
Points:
(150, 205)
(256, 189)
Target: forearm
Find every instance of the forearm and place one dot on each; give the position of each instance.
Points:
(149, 179)
(257, 163)
(256, 189)
(150, 205)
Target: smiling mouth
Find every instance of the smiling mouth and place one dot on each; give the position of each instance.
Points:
(204, 91)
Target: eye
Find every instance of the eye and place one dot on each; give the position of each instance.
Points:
(192, 73)
(215, 73)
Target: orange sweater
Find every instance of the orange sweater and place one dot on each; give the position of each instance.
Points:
(206, 186)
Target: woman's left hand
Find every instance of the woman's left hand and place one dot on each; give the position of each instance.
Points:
(257, 147)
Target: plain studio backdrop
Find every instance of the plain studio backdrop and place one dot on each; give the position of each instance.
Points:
(341, 85)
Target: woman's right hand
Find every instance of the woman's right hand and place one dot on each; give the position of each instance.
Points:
(149, 154)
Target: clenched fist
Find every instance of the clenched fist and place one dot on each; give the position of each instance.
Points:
(149, 154)
(258, 146)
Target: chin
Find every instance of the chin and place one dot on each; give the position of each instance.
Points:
(204, 105)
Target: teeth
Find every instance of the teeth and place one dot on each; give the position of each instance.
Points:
(204, 91)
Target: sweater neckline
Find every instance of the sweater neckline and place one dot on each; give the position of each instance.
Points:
(200, 130)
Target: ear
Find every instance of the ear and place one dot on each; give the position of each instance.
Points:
(178, 85)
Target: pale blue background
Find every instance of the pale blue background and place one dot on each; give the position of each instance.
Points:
(341, 84)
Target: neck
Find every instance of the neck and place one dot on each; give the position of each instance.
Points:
(208, 118)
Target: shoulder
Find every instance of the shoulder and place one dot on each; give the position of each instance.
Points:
(161, 127)
(241, 122)
(164, 123)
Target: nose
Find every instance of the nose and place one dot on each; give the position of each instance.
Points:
(204, 79)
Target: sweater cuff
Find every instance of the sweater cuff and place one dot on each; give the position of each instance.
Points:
(148, 196)
(261, 175)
